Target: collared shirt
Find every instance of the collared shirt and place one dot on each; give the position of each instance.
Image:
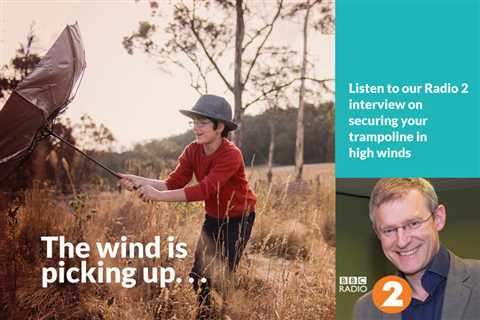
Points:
(434, 281)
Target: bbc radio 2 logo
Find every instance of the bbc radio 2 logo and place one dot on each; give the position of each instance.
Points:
(352, 284)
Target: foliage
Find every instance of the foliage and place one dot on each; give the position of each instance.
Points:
(92, 136)
(20, 65)
(318, 137)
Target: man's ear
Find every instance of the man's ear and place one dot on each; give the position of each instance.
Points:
(440, 217)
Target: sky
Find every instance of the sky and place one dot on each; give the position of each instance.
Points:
(129, 94)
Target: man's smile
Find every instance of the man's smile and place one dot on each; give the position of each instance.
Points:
(407, 253)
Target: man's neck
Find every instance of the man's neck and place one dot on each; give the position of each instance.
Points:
(211, 147)
(415, 280)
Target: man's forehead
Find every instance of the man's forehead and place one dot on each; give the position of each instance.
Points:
(410, 205)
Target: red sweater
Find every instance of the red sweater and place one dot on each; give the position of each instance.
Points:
(223, 184)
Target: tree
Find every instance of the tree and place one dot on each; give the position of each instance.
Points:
(273, 91)
(11, 75)
(257, 138)
(94, 139)
(273, 107)
(197, 41)
(20, 65)
(90, 136)
(325, 23)
(301, 102)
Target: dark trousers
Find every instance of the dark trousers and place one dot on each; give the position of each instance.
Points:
(218, 251)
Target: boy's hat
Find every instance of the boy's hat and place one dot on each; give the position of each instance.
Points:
(211, 106)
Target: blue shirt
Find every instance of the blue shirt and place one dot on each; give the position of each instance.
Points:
(434, 281)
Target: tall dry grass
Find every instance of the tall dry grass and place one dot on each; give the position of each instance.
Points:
(288, 271)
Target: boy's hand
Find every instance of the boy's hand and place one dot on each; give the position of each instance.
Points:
(148, 193)
(131, 182)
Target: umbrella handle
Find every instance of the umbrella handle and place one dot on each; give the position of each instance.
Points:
(113, 173)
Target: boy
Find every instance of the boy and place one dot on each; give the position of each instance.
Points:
(229, 203)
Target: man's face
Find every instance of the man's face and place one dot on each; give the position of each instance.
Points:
(408, 233)
(203, 130)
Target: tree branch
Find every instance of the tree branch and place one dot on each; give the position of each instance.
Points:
(265, 94)
(318, 80)
(201, 73)
(193, 83)
(257, 34)
(209, 56)
(260, 47)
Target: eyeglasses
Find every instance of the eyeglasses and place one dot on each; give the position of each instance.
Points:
(408, 227)
(198, 123)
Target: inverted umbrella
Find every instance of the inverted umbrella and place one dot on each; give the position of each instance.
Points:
(40, 98)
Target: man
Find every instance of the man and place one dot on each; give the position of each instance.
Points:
(407, 218)
(218, 166)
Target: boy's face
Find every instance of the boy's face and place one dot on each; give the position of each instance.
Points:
(204, 131)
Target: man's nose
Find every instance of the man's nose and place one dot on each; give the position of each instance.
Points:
(403, 238)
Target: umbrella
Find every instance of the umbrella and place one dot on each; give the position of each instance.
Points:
(38, 99)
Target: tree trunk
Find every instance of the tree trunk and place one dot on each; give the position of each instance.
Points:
(331, 135)
(238, 85)
(271, 150)
(299, 144)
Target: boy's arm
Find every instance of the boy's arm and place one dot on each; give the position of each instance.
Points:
(223, 169)
(148, 193)
(160, 185)
(133, 182)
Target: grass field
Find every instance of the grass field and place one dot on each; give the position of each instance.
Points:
(288, 271)
(286, 173)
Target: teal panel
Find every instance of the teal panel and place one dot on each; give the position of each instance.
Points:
(401, 43)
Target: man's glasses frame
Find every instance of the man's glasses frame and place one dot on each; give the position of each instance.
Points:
(408, 228)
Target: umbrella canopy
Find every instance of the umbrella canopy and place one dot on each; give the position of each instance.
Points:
(40, 97)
